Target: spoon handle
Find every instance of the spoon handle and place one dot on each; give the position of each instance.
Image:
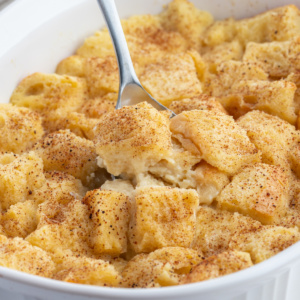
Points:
(126, 69)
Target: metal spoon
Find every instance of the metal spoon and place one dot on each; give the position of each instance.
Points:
(130, 90)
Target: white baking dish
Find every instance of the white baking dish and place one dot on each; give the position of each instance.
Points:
(34, 36)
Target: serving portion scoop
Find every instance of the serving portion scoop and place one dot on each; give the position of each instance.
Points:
(131, 90)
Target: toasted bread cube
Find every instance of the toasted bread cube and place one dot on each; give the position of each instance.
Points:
(164, 79)
(209, 182)
(275, 98)
(60, 187)
(20, 219)
(184, 17)
(219, 265)
(73, 65)
(278, 59)
(279, 24)
(149, 30)
(214, 56)
(77, 123)
(20, 255)
(215, 229)
(97, 107)
(200, 102)
(20, 175)
(162, 217)
(66, 152)
(220, 141)
(162, 267)
(127, 140)
(109, 212)
(265, 242)
(21, 128)
(146, 41)
(97, 45)
(220, 83)
(260, 191)
(86, 270)
(271, 135)
(64, 229)
(51, 95)
(102, 75)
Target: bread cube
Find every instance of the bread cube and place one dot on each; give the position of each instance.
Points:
(97, 45)
(102, 75)
(97, 107)
(162, 267)
(209, 182)
(162, 217)
(21, 128)
(278, 59)
(200, 102)
(220, 83)
(163, 79)
(265, 242)
(20, 255)
(260, 191)
(214, 56)
(20, 219)
(275, 98)
(216, 228)
(73, 65)
(77, 123)
(219, 265)
(64, 230)
(66, 152)
(216, 136)
(272, 136)
(109, 212)
(86, 270)
(147, 29)
(52, 95)
(279, 24)
(20, 175)
(127, 140)
(295, 78)
(184, 17)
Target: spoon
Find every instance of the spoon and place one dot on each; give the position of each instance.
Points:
(131, 90)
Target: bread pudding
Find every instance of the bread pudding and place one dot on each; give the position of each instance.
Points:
(209, 192)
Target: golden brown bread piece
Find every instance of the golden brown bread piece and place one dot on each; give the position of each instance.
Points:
(20, 128)
(279, 24)
(200, 102)
(260, 191)
(64, 151)
(162, 217)
(20, 175)
(127, 141)
(216, 228)
(274, 137)
(218, 139)
(163, 79)
(182, 16)
(219, 265)
(20, 255)
(278, 59)
(53, 96)
(265, 242)
(162, 267)
(109, 213)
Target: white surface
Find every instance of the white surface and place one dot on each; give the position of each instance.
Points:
(35, 35)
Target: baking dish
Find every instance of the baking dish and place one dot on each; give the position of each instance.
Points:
(35, 36)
